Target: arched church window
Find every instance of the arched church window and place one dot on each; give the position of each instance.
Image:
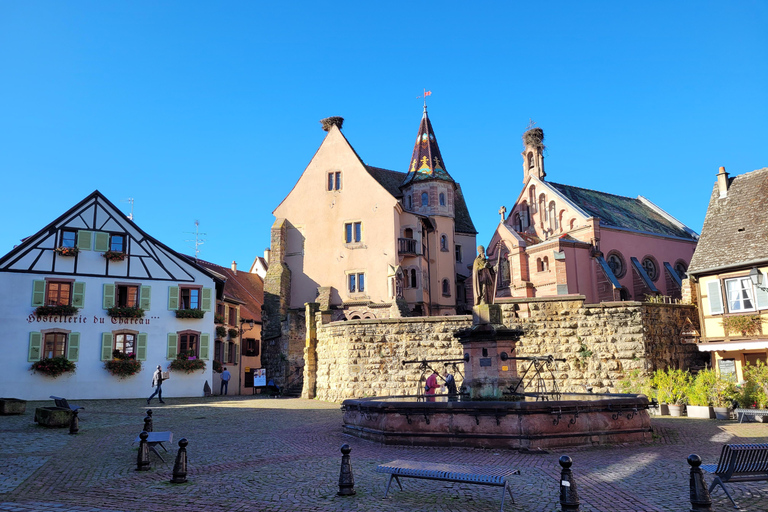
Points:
(539, 265)
(443, 243)
(552, 216)
(532, 198)
(543, 208)
(446, 288)
(524, 215)
(573, 223)
(424, 199)
(530, 159)
(413, 278)
(517, 224)
(545, 264)
(681, 268)
(442, 199)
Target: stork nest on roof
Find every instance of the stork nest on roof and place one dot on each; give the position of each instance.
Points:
(534, 137)
(328, 122)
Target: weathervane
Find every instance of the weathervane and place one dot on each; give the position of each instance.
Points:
(426, 93)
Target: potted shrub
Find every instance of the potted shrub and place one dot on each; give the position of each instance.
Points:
(66, 251)
(114, 255)
(701, 395)
(221, 331)
(186, 362)
(122, 365)
(218, 319)
(53, 366)
(233, 333)
(725, 394)
(190, 313)
(672, 387)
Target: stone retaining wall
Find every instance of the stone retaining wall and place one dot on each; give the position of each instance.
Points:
(600, 344)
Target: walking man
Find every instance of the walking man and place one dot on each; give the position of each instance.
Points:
(225, 376)
(157, 383)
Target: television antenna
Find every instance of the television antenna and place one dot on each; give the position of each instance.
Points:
(129, 200)
(198, 241)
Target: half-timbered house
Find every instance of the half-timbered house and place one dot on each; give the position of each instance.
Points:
(93, 288)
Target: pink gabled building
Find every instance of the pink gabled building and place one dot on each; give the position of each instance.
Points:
(562, 240)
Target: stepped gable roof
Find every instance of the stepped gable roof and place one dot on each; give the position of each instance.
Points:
(426, 162)
(391, 181)
(735, 231)
(242, 287)
(622, 212)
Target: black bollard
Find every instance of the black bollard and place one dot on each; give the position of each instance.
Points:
(74, 423)
(147, 423)
(700, 499)
(180, 466)
(569, 497)
(142, 461)
(151, 423)
(346, 478)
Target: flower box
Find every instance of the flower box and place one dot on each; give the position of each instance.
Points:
(114, 255)
(54, 366)
(186, 365)
(190, 313)
(221, 331)
(123, 367)
(218, 319)
(55, 311)
(66, 251)
(121, 312)
(53, 417)
(12, 406)
(233, 333)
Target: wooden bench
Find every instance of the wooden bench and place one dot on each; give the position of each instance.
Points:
(741, 413)
(62, 402)
(739, 463)
(157, 438)
(463, 473)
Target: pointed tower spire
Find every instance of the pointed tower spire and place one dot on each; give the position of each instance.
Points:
(426, 162)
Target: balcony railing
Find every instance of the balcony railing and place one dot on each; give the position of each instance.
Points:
(407, 246)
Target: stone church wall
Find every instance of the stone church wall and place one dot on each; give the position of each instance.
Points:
(600, 344)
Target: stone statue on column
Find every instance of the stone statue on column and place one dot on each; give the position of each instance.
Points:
(483, 278)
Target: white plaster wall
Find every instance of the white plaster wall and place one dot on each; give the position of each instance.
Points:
(91, 380)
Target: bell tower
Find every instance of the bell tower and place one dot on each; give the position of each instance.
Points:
(533, 154)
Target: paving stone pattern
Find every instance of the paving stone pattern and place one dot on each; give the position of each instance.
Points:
(261, 454)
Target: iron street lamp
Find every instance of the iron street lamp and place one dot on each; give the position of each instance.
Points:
(757, 278)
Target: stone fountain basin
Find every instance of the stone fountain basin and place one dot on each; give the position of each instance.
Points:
(585, 420)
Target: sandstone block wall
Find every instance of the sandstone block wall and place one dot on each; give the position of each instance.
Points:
(600, 344)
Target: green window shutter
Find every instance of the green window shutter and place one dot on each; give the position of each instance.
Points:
(38, 293)
(141, 347)
(204, 346)
(73, 346)
(173, 298)
(146, 298)
(715, 298)
(108, 299)
(106, 346)
(35, 346)
(237, 354)
(237, 317)
(78, 294)
(84, 240)
(173, 346)
(226, 353)
(101, 241)
(206, 303)
(762, 295)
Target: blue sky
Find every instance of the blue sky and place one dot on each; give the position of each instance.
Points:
(209, 110)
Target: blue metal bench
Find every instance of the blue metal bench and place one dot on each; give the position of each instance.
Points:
(463, 473)
(739, 463)
(156, 438)
(62, 402)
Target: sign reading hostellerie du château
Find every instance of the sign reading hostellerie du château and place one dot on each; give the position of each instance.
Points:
(84, 319)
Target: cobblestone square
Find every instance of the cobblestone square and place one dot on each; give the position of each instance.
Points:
(254, 454)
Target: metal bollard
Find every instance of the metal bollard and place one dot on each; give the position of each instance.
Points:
(180, 466)
(147, 423)
(700, 499)
(142, 461)
(151, 423)
(569, 497)
(74, 424)
(346, 479)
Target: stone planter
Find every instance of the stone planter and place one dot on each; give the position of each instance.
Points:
(12, 406)
(53, 417)
(700, 411)
(675, 409)
(663, 410)
(722, 413)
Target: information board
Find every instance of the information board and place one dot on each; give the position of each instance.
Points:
(727, 369)
(259, 377)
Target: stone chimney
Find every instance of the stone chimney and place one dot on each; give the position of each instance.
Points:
(722, 182)
(267, 254)
(234, 266)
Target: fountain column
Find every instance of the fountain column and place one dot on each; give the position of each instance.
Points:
(485, 374)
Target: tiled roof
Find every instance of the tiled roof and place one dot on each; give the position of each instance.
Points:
(735, 230)
(622, 212)
(426, 162)
(391, 181)
(243, 287)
